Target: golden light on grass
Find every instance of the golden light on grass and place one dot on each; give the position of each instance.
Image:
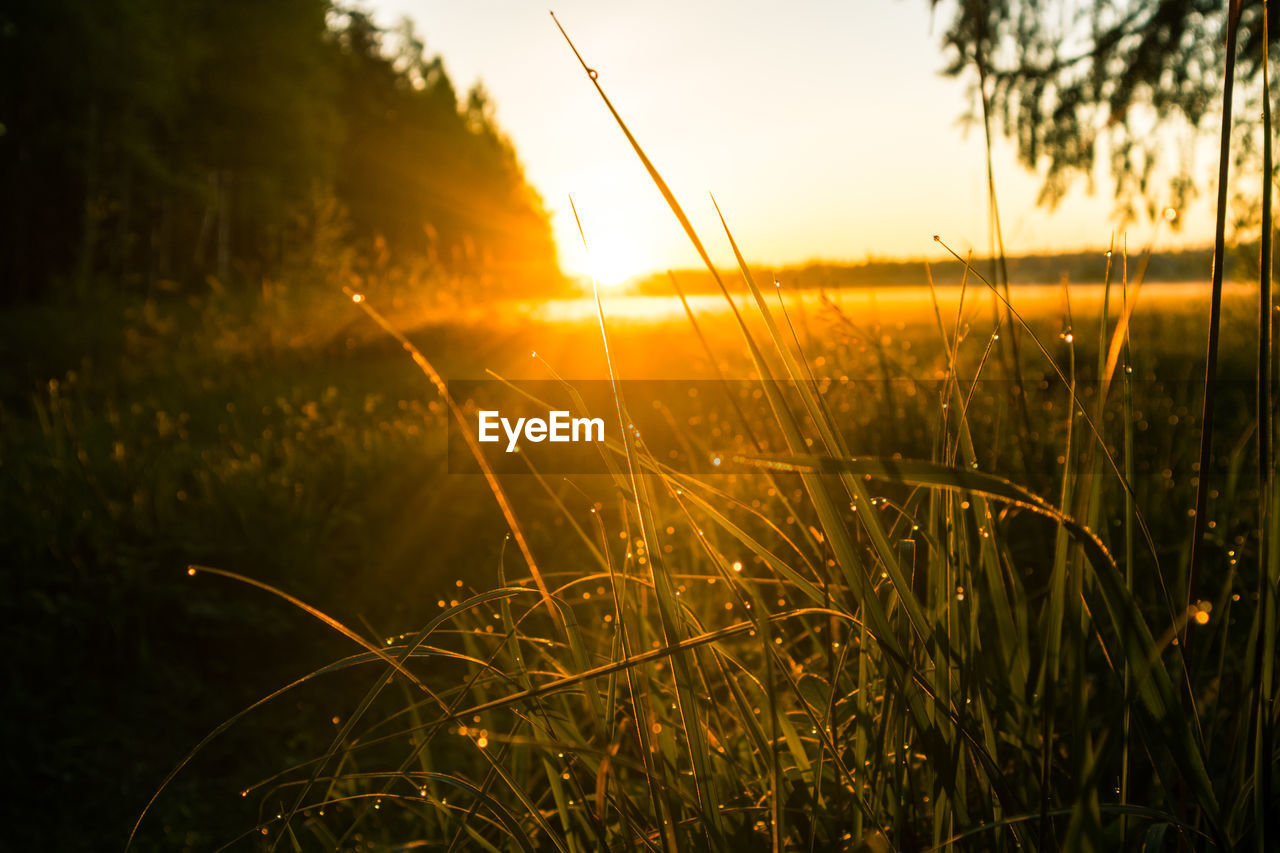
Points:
(881, 624)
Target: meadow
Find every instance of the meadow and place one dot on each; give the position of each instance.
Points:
(818, 655)
(964, 575)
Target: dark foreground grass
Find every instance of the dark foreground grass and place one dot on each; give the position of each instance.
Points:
(319, 469)
(870, 650)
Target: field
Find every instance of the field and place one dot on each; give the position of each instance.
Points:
(976, 554)
(821, 655)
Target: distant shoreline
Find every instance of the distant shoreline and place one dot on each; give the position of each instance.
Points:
(1188, 265)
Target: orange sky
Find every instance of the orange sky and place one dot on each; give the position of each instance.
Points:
(822, 127)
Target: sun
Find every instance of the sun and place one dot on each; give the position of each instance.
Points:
(615, 252)
(614, 265)
(613, 257)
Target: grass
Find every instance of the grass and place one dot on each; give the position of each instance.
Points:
(346, 484)
(825, 649)
(926, 609)
(835, 704)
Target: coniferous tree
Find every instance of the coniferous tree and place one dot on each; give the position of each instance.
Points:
(165, 141)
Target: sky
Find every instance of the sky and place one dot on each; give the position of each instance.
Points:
(823, 128)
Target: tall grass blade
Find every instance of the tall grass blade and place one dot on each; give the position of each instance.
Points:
(490, 477)
(669, 609)
(1215, 322)
(1265, 821)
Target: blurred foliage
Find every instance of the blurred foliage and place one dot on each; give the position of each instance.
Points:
(154, 143)
(1125, 79)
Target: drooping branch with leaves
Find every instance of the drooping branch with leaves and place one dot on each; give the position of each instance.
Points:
(1128, 81)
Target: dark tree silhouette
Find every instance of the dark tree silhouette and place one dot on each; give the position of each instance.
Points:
(147, 141)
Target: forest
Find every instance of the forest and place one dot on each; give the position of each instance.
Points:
(161, 145)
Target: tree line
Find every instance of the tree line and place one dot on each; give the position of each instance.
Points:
(1187, 265)
(162, 142)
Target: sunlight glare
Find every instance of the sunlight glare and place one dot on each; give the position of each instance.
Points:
(612, 262)
(616, 250)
